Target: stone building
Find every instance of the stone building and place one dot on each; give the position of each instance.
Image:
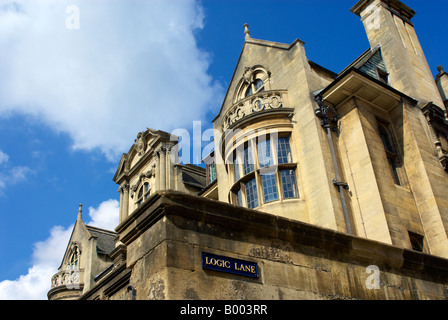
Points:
(320, 185)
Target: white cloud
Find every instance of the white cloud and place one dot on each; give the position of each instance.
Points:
(130, 65)
(47, 256)
(106, 215)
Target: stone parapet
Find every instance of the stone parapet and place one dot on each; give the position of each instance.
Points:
(165, 240)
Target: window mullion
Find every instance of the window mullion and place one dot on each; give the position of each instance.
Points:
(259, 189)
(278, 181)
(243, 195)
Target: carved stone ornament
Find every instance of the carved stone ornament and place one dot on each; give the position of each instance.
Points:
(140, 143)
(248, 75)
(266, 100)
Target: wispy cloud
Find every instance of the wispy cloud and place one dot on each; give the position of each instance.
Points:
(3, 157)
(10, 174)
(130, 65)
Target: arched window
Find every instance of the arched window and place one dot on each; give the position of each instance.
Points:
(254, 80)
(390, 151)
(73, 260)
(143, 193)
(254, 87)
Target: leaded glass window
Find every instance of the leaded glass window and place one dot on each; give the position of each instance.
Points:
(289, 184)
(248, 164)
(284, 151)
(266, 160)
(269, 187)
(236, 167)
(265, 157)
(251, 194)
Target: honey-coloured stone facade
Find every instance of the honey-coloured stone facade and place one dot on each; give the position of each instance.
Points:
(323, 185)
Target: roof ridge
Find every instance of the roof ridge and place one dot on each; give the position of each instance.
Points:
(101, 230)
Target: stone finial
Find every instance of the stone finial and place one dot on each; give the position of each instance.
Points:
(80, 212)
(440, 69)
(246, 31)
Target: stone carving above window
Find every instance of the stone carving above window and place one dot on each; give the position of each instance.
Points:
(261, 101)
(253, 95)
(140, 143)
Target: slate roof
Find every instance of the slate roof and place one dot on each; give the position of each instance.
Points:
(369, 62)
(194, 176)
(105, 239)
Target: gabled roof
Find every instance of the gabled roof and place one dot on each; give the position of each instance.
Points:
(252, 41)
(105, 238)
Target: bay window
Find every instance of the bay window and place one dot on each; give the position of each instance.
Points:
(263, 172)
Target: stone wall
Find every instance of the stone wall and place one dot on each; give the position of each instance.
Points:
(296, 260)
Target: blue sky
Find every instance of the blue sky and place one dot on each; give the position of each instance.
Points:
(73, 100)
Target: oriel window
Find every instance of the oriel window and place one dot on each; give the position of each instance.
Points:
(266, 174)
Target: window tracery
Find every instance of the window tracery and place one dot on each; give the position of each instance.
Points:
(254, 81)
(73, 260)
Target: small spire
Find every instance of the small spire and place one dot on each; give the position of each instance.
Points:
(246, 31)
(80, 212)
